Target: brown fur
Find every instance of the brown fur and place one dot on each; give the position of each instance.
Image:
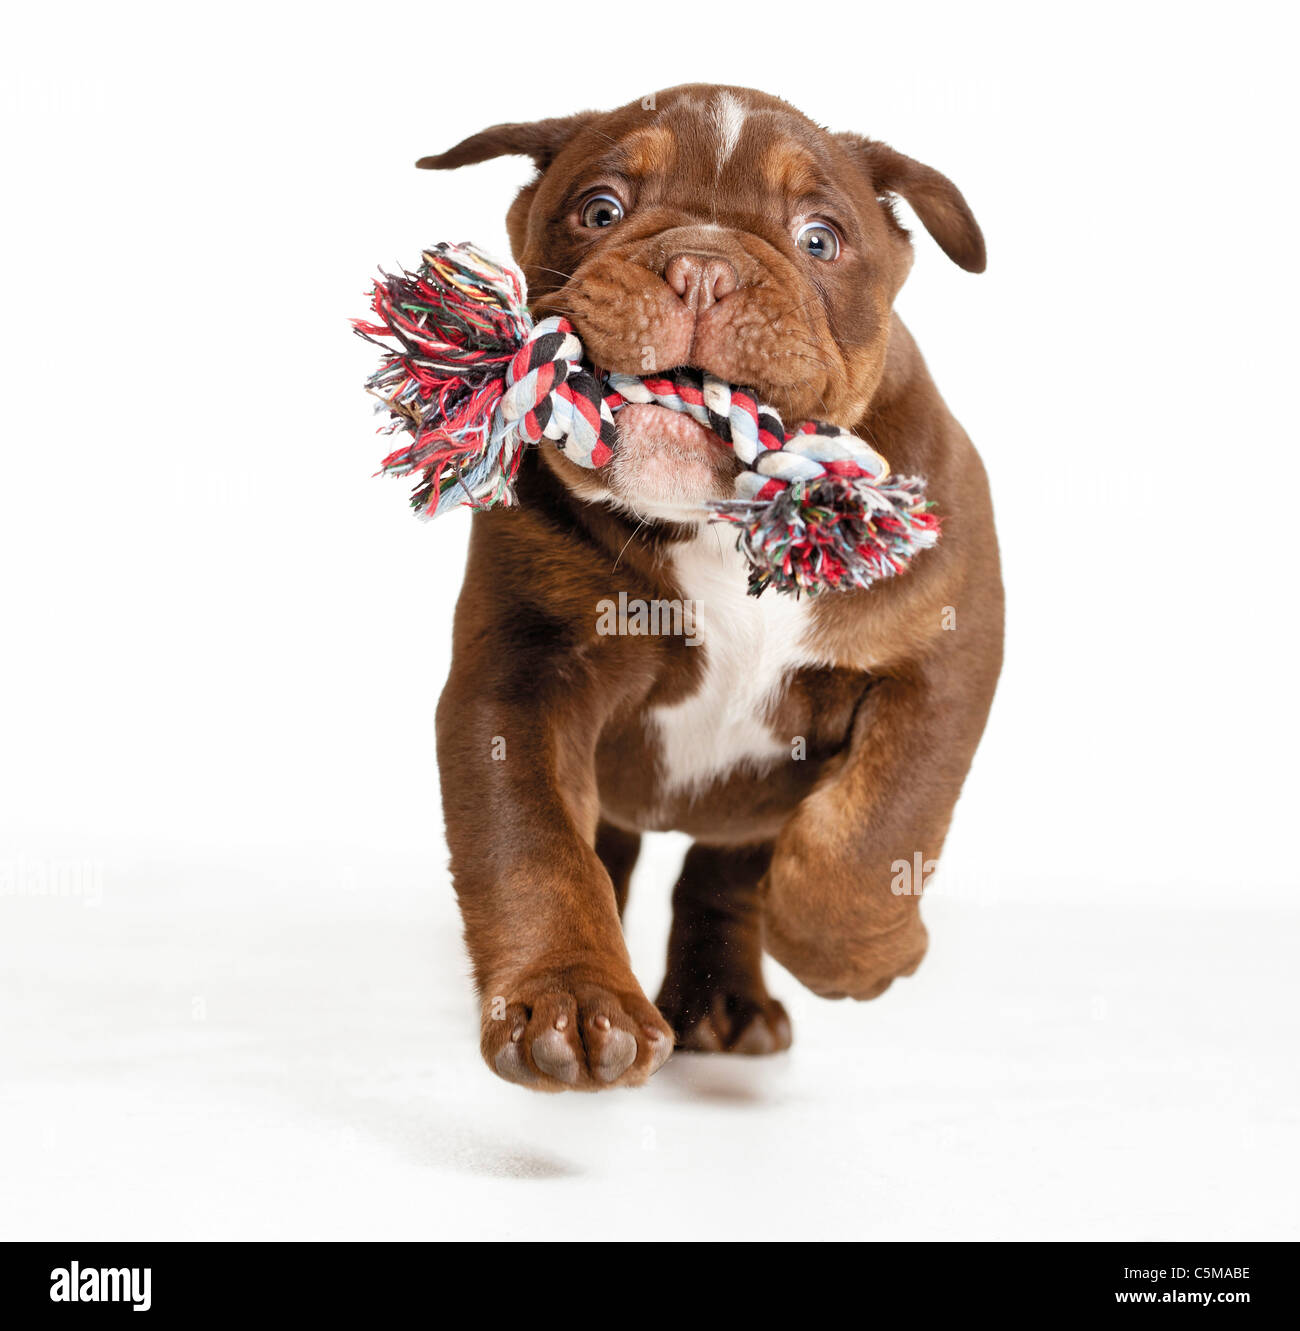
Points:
(798, 859)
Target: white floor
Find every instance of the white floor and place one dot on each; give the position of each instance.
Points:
(281, 1049)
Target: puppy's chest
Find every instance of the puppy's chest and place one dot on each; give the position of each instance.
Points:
(751, 648)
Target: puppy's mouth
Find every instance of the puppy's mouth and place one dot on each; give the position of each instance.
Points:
(676, 432)
(668, 465)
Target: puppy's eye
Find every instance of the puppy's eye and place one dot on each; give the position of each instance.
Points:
(603, 210)
(817, 239)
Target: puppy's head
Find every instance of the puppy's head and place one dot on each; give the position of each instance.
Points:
(718, 228)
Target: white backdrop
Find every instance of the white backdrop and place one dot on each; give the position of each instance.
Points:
(224, 639)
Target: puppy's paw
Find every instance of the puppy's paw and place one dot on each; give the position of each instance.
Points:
(847, 964)
(561, 1033)
(732, 1019)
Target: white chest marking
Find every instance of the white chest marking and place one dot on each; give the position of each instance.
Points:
(751, 645)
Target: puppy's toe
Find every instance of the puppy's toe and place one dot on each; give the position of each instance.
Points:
(555, 1056)
(660, 1047)
(756, 1038)
(610, 1050)
(734, 1024)
(511, 1062)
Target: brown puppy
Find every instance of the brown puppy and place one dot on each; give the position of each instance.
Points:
(812, 748)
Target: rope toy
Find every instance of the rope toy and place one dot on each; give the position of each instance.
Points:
(472, 380)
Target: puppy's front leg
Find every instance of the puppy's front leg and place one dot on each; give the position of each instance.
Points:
(561, 1007)
(842, 894)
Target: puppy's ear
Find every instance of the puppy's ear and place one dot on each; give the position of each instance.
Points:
(934, 198)
(539, 139)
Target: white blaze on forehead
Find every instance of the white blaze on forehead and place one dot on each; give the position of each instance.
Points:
(728, 120)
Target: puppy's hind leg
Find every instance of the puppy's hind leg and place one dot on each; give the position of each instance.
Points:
(713, 994)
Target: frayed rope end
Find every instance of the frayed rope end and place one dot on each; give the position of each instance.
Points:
(832, 533)
(448, 332)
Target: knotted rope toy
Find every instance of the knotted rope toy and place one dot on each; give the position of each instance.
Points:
(472, 380)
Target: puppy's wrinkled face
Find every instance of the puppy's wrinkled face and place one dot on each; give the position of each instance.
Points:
(718, 228)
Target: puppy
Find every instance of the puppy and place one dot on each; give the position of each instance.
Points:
(812, 748)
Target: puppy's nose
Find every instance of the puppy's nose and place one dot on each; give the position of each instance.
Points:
(700, 279)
